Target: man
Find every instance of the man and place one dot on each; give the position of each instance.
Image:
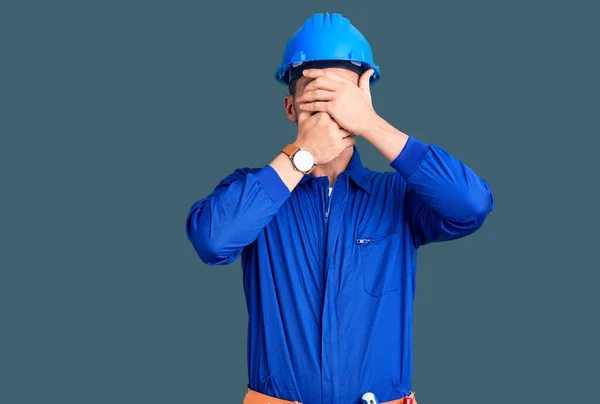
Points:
(328, 246)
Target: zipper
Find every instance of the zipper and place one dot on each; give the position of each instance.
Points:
(329, 201)
(370, 240)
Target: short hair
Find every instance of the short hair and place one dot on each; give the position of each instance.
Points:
(292, 87)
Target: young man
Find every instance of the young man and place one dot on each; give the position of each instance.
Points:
(328, 246)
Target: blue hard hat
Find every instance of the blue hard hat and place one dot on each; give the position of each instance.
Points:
(326, 37)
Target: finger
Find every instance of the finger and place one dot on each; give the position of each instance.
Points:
(315, 95)
(324, 83)
(364, 80)
(317, 106)
(341, 78)
(314, 73)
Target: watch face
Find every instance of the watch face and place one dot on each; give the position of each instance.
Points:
(303, 160)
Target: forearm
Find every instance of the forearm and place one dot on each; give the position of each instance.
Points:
(284, 167)
(231, 217)
(441, 181)
(386, 138)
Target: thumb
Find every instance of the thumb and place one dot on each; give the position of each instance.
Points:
(363, 82)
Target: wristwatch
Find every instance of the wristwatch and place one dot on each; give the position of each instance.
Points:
(302, 160)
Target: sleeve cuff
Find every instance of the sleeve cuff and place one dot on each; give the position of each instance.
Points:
(410, 157)
(273, 184)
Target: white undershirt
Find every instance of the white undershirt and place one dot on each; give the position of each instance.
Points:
(330, 189)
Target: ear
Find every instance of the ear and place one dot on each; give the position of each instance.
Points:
(290, 111)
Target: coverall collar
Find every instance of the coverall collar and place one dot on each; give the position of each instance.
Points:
(355, 170)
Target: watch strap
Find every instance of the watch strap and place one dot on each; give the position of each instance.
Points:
(292, 149)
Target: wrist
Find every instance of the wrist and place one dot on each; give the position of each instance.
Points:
(371, 128)
(301, 159)
(302, 145)
(298, 143)
(388, 140)
(284, 162)
(371, 125)
(283, 165)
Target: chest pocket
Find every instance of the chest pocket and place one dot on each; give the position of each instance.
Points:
(381, 271)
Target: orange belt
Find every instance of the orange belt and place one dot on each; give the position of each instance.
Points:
(254, 397)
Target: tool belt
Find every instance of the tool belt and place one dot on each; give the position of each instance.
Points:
(254, 397)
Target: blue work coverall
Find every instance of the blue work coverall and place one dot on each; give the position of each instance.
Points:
(330, 280)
